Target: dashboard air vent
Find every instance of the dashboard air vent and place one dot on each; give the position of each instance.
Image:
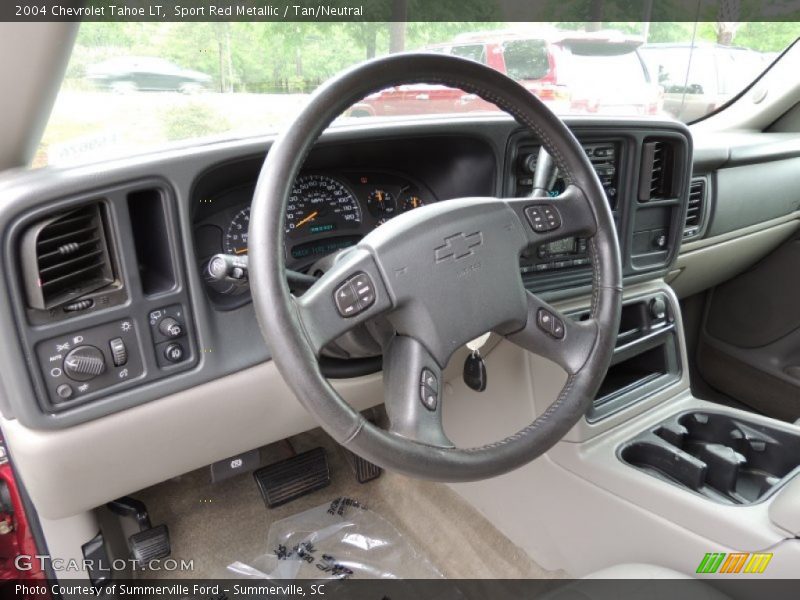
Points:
(65, 256)
(657, 171)
(696, 209)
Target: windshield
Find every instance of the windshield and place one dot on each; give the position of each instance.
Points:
(134, 86)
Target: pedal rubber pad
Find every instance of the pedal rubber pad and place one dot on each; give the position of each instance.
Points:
(364, 470)
(288, 479)
(150, 544)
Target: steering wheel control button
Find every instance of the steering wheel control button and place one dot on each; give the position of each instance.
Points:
(429, 389)
(119, 353)
(364, 290)
(346, 301)
(64, 391)
(170, 328)
(550, 324)
(428, 379)
(543, 217)
(174, 352)
(355, 295)
(84, 363)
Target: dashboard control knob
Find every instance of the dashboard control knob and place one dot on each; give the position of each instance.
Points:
(174, 352)
(84, 363)
(119, 353)
(64, 391)
(529, 163)
(170, 328)
(658, 308)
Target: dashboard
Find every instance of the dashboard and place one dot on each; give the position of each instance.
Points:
(127, 315)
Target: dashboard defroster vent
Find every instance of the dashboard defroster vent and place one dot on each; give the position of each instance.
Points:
(696, 208)
(64, 257)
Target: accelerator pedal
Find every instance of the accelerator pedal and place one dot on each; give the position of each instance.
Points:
(364, 470)
(291, 478)
(149, 543)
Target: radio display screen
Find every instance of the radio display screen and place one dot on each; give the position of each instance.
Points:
(565, 246)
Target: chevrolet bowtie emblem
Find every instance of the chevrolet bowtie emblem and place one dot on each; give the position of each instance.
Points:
(458, 246)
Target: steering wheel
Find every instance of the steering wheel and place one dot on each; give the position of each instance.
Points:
(440, 275)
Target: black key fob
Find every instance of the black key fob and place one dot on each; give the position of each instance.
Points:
(475, 372)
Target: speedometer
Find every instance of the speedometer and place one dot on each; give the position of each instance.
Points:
(320, 205)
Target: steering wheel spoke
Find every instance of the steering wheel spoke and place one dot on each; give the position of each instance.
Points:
(553, 218)
(555, 336)
(413, 389)
(351, 293)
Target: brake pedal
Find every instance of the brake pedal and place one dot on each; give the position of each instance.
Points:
(364, 470)
(288, 479)
(149, 543)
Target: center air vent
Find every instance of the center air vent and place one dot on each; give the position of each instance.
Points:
(65, 257)
(658, 162)
(696, 208)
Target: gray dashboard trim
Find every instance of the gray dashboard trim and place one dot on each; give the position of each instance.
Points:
(220, 336)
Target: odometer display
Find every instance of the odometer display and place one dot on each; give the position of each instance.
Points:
(320, 205)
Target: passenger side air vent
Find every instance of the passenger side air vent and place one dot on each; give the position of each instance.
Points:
(696, 209)
(64, 257)
(658, 170)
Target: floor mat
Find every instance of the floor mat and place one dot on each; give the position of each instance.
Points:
(218, 524)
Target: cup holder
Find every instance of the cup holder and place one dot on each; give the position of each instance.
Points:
(723, 458)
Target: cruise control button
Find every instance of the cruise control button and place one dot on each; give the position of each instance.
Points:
(346, 301)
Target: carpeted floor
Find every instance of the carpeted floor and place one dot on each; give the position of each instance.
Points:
(217, 524)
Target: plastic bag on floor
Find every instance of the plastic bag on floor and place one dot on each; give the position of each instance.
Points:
(338, 540)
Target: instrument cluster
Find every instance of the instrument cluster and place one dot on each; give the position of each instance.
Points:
(326, 212)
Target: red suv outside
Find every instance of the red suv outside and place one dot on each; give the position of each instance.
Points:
(573, 72)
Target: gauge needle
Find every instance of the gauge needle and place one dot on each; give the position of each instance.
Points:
(240, 251)
(305, 220)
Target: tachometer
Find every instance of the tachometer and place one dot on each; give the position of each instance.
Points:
(236, 235)
(320, 204)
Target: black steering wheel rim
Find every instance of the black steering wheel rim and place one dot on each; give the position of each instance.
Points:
(288, 324)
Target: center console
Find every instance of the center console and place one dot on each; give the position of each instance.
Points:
(724, 457)
(646, 357)
(644, 173)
